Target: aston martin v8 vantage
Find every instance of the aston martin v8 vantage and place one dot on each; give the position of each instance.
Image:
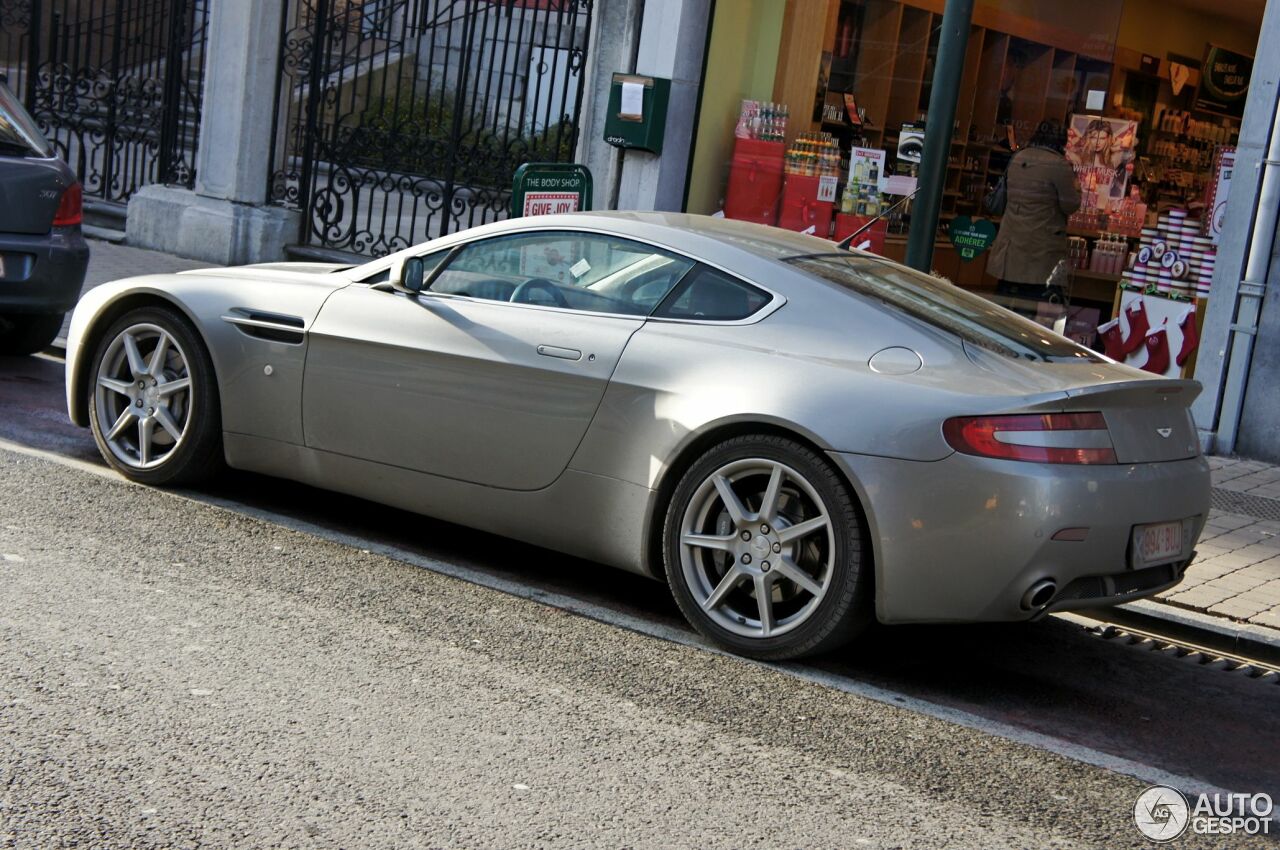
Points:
(799, 440)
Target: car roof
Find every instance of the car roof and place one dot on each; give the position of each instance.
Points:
(720, 241)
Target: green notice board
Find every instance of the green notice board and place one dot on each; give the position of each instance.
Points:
(637, 112)
(546, 188)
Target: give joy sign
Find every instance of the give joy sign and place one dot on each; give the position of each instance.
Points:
(970, 237)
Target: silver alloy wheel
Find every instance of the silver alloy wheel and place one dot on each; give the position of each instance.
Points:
(143, 396)
(757, 548)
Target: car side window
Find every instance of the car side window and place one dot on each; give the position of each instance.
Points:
(708, 294)
(573, 271)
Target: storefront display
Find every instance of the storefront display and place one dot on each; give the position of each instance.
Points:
(862, 192)
(834, 136)
(812, 169)
(764, 122)
(1158, 335)
(1173, 258)
(755, 174)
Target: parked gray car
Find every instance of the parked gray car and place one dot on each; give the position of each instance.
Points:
(43, 254)
(799, 440)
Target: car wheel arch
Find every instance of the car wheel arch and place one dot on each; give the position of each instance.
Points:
(697, 445)
(104, 318)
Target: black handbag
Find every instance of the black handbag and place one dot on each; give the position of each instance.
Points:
(998, 198)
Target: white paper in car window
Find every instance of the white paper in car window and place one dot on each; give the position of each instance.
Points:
(580, 268)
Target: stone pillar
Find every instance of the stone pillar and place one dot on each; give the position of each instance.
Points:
(615, 33)
(225, 219)
(1224, 412)
(673, 39)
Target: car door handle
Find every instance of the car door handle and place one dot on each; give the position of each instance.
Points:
(562, 353)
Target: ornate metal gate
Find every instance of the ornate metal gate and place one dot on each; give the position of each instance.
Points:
(401, 120)
(116, 85)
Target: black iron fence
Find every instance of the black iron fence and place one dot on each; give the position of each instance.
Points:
(116, 85)
(401, 120)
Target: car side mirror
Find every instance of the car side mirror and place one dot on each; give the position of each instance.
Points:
(407, 275)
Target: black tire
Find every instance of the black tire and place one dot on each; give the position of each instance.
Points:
(198, 456)
(843, 611)
(28, 333)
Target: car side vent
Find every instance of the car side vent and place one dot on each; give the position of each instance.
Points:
(273, 327)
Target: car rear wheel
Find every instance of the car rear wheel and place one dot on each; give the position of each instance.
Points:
(763, 546)
(153, 403)
(23, 333)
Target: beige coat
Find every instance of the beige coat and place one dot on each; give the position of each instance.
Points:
(1042, 192)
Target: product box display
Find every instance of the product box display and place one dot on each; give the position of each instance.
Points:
(1173, 257)
(802, 208)
(874, 236)
(755, 181)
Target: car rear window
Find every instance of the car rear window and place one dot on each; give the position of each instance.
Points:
(970, 317)
(712, 296)
(18, 132)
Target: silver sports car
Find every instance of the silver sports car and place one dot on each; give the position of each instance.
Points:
(799, 440)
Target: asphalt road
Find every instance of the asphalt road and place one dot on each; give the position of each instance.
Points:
(179, 674)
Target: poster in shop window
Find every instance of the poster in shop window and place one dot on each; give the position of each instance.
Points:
(1224, 81)
(1102, 153)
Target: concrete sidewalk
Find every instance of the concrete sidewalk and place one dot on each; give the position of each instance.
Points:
(1235, 579)
(1236, 573)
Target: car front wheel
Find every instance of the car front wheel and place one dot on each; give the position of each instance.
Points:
(763, 546)
(153, 402)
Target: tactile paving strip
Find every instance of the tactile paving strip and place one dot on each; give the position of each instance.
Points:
(1258, 507)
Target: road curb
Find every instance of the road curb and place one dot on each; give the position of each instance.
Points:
(1205, 630)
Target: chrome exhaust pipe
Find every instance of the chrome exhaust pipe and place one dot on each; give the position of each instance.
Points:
(1039, 594)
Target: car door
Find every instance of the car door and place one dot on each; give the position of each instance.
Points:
(493, 373)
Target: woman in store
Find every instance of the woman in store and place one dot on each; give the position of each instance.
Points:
(1042, 191)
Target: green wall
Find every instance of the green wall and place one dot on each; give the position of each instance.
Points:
(741, 61)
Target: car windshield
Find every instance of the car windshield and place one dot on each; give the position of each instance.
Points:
(970, 317)
(18, 132)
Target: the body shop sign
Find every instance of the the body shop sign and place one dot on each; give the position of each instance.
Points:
(1224, 81)
(547, 188)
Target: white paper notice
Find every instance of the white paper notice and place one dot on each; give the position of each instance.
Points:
(900, 184)
(580, 268)
(632, 100)
(1095, 99)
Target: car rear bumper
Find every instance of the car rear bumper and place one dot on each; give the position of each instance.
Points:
(963, 539)
(43, 274)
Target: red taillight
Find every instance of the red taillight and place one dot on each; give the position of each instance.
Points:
(1009, 437)
(70, 208)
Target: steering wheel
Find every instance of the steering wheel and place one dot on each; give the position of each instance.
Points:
(541, 284)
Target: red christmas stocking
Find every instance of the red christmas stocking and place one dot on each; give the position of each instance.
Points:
(1138, 326)
(1112, 339)
(1157, 351)
(1190, 336)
